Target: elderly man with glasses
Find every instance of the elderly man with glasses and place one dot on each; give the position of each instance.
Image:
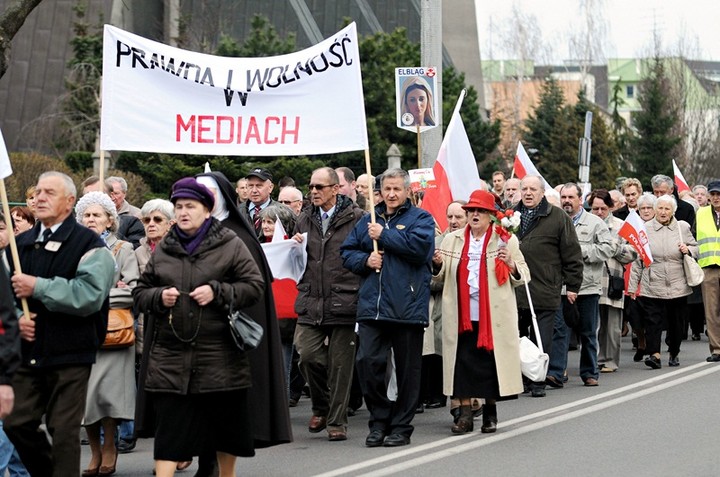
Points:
(326, 304)
(292, 197)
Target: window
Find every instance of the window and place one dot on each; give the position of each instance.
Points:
(630, 91)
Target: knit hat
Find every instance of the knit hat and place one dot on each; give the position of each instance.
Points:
(189, 188)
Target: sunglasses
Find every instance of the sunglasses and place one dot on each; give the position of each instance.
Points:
(288, 202)
(157, 220)
(319, 186)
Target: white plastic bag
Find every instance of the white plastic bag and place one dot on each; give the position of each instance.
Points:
(533, 359)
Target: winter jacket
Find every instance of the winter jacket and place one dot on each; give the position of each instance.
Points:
(552, 251)
(197, 354)
(74, 273)
(327, 292)
(624, 254)
(596, 246)
(665, 277)
(9, 333)
(400, 293)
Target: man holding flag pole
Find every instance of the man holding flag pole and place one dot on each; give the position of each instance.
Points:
(66, 276)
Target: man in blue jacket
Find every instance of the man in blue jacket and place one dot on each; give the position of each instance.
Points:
(392, 305)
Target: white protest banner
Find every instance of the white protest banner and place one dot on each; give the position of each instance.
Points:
(157, 98)
(415, 98)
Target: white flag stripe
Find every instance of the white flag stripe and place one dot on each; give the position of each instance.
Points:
(5, 167)
(287, 258)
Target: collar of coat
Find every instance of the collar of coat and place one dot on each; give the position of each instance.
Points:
(657, 225)
(381, 209)
(543, 208)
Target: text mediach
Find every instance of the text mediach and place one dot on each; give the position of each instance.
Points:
(237, 129)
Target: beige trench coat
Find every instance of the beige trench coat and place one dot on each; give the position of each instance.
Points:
(503, 311)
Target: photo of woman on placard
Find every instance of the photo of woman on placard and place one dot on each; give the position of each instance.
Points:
(417, 101)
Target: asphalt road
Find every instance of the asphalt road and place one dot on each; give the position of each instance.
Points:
(638, 422)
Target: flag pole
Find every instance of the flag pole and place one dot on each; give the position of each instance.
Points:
(419, 147)
(101, 173)
(371, 193)
(13, 244)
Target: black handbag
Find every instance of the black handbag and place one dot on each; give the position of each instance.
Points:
(616, 285)
(246, 332)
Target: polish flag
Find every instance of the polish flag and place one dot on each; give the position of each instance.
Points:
(524, 166)
(680, 182)
(455, 169)
(633, 230)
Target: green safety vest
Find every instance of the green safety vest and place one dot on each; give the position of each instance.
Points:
(708, 237)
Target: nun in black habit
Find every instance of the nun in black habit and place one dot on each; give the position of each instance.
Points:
(268, 395)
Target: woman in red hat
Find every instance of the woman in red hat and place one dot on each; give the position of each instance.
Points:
(480, 268)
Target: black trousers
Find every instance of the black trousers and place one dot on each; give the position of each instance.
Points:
(657, 313)
(376, 340)
(60, 394)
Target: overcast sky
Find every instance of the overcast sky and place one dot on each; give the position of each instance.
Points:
(629, 26)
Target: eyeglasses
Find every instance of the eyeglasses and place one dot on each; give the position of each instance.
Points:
(319, 186)
(157, 220)
(288, 202)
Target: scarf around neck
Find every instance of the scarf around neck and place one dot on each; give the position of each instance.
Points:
(191, 242)
(485, 339)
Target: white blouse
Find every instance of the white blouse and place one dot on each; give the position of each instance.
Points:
(473, 264)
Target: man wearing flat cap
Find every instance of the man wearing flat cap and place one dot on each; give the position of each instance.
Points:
(260, 186)
(707, 232)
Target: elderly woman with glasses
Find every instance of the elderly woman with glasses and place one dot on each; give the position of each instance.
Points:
(111, 387)
(481, 266)
(158, 215)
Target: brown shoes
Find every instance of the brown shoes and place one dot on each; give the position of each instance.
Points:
(337, 435)
(317, 424)
(591, 382)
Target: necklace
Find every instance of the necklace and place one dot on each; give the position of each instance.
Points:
(197, 328)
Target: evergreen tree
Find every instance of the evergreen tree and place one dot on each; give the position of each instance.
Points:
(77, 127)
(655, 145)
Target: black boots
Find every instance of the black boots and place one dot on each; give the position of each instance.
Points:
(489, 419)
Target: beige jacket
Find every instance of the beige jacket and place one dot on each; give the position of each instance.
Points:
(503, 309)
(665, 277)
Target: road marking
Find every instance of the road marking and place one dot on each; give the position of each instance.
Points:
(673, 378)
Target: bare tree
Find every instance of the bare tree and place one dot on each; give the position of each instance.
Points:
(10, 22)
(692, 95)
(587, 37)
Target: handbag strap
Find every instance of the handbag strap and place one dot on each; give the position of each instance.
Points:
(534, 319)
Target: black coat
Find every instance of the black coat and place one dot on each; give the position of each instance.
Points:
(9, 334)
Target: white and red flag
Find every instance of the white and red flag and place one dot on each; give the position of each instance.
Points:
(455, 170)
(680, 182)
(524, 166)
(633, 230)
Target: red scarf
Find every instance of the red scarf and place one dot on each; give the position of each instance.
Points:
(485, 339)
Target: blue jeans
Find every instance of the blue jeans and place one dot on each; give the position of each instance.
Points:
(9, 458)
(126, 431)
(588, 309)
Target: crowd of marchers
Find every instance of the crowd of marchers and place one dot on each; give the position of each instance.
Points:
(114, 318)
